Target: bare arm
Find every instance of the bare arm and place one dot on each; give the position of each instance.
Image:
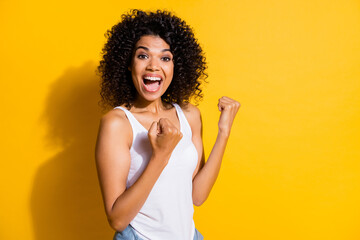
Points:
(206, 173)
(113, 163)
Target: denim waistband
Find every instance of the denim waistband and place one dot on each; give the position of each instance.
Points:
(130, 234)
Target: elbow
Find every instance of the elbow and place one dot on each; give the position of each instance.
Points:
(198, 204)
(117, 224)
(197, 201)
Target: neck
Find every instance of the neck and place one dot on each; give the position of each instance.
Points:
(156, 106)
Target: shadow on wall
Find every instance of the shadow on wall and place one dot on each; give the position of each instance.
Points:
(66, 201)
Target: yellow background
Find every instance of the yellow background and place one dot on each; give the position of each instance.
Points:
(291, 169)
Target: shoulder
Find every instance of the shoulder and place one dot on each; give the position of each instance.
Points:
(115, 123)
(193, 115)
(114, 117)
(190, 109)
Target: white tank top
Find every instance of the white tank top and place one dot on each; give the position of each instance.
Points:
(168, 210)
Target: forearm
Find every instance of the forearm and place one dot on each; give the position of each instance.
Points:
(129, 203)
(206, 177)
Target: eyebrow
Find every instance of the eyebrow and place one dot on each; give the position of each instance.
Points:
(164, 50)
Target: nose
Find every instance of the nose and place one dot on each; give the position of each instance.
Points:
(153, 65)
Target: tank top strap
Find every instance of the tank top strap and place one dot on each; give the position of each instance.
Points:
(183, 121)
(136, 126)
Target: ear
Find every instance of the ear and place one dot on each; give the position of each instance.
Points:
(129, 68)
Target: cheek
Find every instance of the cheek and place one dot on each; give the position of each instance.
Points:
(136, 68)
(136, 71)
(169, 69)
(136, 78)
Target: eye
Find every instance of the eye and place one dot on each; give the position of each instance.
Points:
(166, 59)
(142, 56)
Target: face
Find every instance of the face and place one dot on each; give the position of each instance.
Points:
(151, 67)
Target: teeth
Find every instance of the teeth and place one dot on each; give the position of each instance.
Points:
(152, 78)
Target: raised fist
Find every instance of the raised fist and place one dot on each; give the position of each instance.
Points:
(164, 137)
(228, 108)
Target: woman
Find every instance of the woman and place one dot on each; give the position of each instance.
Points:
(149, 151)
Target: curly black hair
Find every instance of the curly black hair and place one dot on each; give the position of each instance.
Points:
(117, 87)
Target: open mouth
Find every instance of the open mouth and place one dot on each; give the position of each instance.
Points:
(152, 84)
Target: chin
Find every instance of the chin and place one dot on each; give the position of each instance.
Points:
(150, 97)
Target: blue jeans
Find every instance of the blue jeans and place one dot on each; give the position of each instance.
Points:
(130, 234)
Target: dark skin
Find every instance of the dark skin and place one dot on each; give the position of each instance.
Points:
(152, 60)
